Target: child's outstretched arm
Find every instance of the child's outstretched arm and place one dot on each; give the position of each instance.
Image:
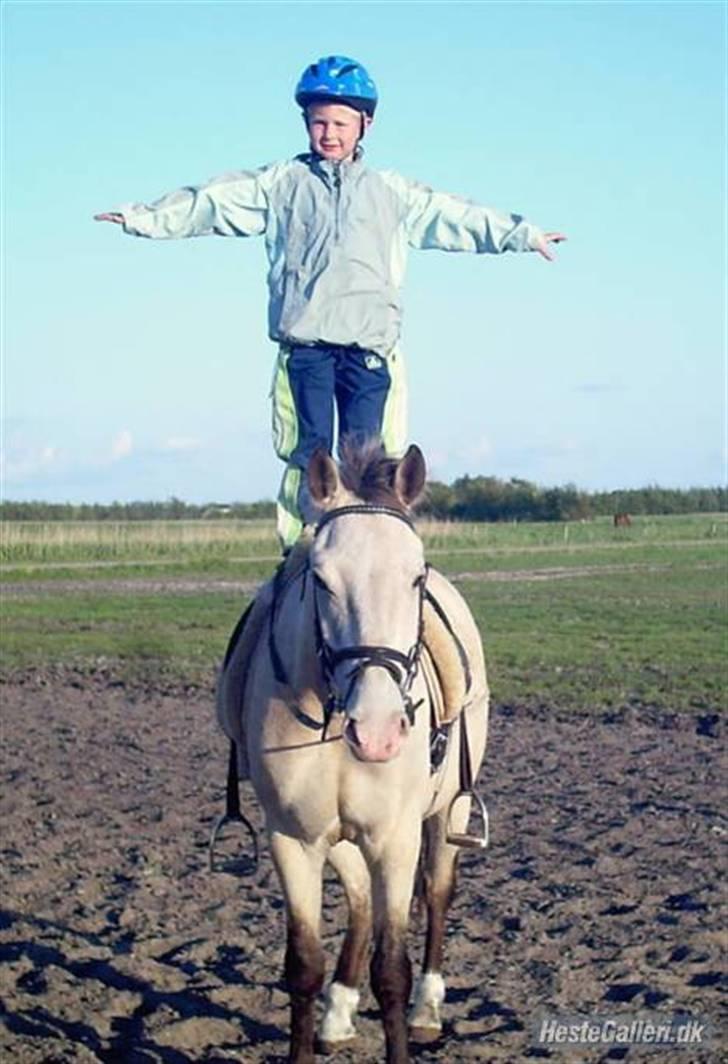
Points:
(449, 223)
(232, 205)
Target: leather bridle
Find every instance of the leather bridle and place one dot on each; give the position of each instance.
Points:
(402, 667)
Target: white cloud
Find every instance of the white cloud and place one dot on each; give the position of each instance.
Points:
(122, 445)
(181, 443)
(22, 462)
(48, 455)
(66, 463)
(449, 459)
(479, 451)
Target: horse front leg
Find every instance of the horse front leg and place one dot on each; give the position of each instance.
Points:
(393, 874)
(439, 878)
(300, 871)
(337, 1028)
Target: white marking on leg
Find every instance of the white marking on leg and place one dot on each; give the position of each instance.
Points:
(341, 1005)
(430, 995)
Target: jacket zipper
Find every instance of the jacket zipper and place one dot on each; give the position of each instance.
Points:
(337, 199)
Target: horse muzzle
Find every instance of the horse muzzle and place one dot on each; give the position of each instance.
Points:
(377, 741)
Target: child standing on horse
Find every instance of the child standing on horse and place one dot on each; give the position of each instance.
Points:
(337, 235)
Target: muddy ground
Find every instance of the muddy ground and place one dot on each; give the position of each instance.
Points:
(599, 893)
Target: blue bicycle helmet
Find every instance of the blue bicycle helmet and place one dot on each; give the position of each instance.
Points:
(337, 79)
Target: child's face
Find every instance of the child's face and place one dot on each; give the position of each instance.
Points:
(334, 130)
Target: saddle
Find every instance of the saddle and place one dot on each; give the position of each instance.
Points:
(452, 649)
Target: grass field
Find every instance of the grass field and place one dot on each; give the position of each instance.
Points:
(578, 616)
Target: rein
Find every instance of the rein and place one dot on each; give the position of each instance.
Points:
(400, 666)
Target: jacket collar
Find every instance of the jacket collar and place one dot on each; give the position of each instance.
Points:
(327, 169)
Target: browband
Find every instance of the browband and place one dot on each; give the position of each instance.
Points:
(364, 508)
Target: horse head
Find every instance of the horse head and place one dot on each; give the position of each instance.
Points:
(369, 573)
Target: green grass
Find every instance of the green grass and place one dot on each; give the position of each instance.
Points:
(29, 543)
(205, 566)
(32, 546)
(527, 535)
(246, 550)
(607, 640)
(635, 616)
(180, 636)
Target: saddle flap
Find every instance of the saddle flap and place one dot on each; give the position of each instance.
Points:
(454, 645)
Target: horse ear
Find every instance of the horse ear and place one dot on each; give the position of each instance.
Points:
(410, 475)
(323, 476)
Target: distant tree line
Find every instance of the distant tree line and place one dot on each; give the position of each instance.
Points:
(172, 510)
(466, 499)
(490, 499)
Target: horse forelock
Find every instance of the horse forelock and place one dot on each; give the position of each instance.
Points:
(368, 472)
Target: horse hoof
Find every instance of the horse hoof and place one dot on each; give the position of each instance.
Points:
(424, 1035)
(327, 1048)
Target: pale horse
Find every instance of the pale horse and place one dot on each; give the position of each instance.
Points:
(337, 710)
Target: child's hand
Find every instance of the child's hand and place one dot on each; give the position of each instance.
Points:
(111, 216)
(542, 247)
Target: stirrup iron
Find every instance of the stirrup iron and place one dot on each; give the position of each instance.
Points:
(232, 815)
(468, 840)
(232, 818)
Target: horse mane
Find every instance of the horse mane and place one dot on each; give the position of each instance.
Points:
(368, 472)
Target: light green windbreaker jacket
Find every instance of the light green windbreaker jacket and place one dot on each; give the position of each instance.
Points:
(337, 236)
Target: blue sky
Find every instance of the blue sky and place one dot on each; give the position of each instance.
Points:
(140, 370)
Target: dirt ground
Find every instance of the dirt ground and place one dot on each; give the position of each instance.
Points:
(599, 894)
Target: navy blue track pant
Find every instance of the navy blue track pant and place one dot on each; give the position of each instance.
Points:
(356, 382)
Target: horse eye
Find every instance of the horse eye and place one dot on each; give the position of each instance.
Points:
(419, 580)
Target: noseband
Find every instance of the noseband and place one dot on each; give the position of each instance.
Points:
(400, 666)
